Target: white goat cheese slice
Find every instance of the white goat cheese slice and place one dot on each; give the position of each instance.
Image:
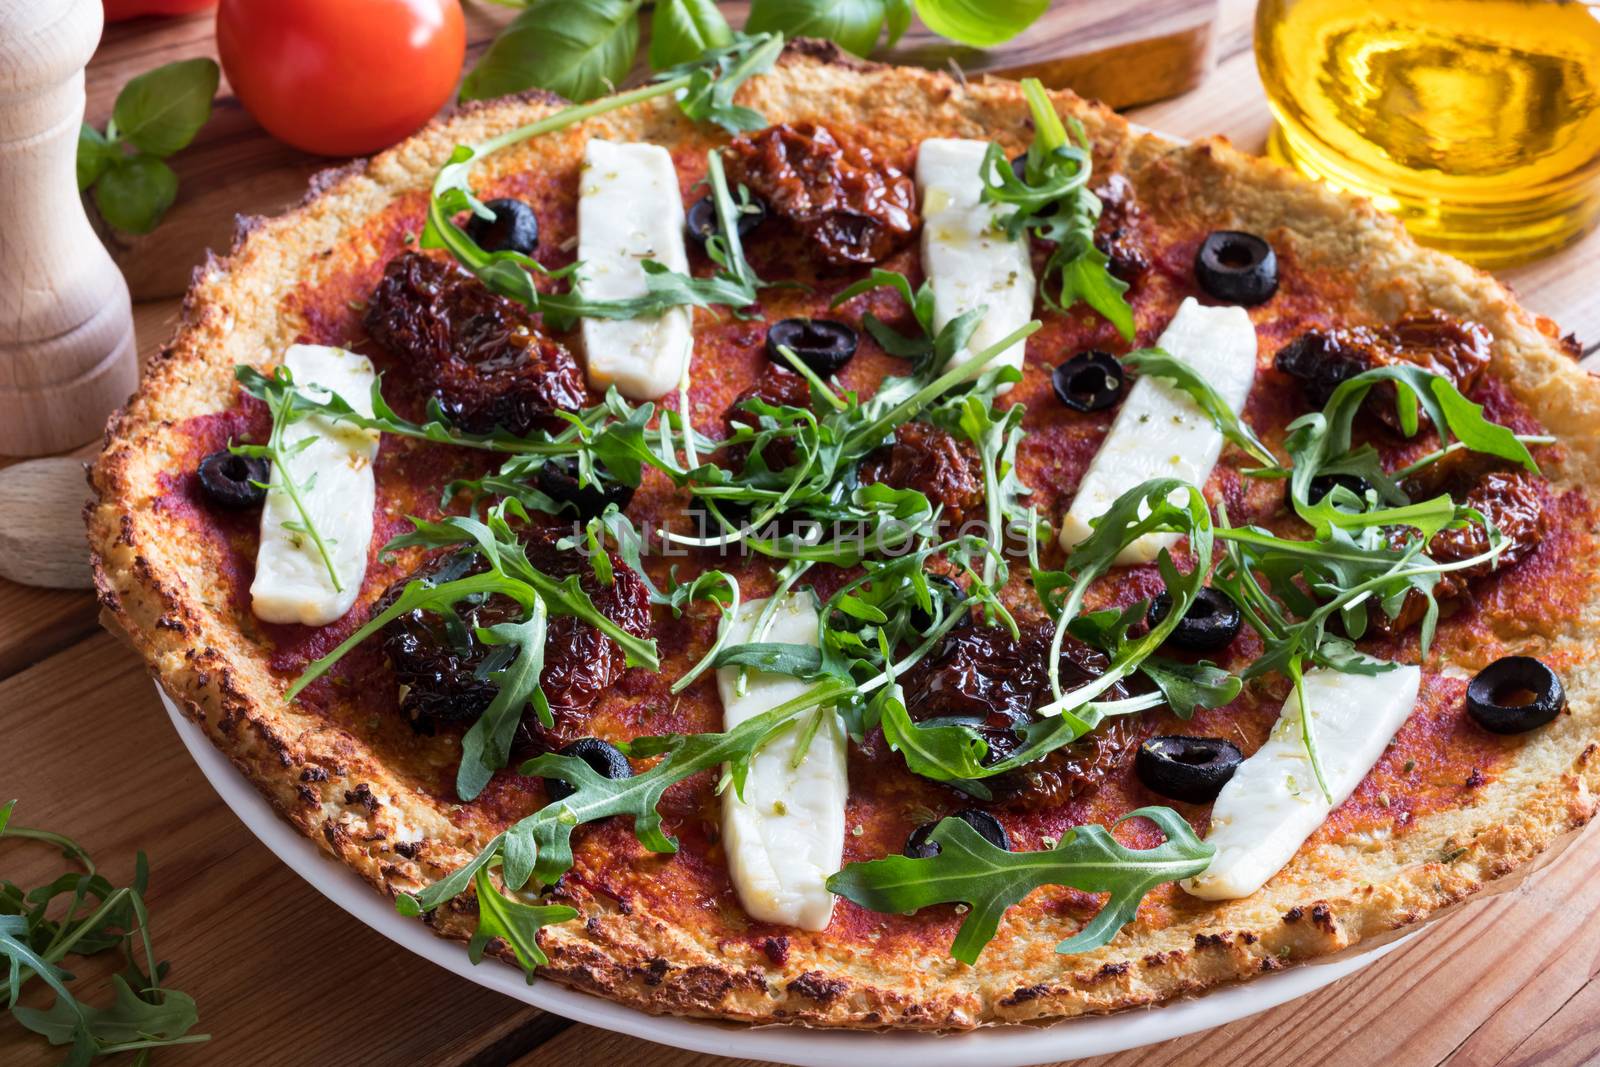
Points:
(334, 473)
(1160, 432)
(968, 262)
(630, 210)
(786, 836)
(1273, 802)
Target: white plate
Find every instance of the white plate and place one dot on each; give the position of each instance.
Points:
(1001, 1046)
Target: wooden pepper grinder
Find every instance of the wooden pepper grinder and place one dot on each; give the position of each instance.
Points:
(67, 353)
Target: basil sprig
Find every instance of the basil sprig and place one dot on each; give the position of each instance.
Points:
(1052, 201)
(98, 917)
(970, 870)
(858, 25)
(155, 115)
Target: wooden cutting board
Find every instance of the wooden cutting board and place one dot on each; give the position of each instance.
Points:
(1124, 54)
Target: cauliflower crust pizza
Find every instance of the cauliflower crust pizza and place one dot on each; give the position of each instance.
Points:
(810, 541)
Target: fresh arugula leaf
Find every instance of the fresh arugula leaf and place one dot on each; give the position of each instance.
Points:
(278, 452)
(1185, 686)
(133, 192)
(539, 846)
(969, 870)
(579, 50)
(1052, 201)
(707, 95)
(98, 917)
(161, 110)
(681, 31)
(486, 747)
(1158, 363)
(503, 916)
(1321, 442)
(980, 23)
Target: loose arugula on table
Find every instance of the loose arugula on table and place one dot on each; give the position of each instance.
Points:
(1052, 200)
(155, 115)
(37, 936)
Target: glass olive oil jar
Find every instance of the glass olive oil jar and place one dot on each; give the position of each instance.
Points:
(1477, 122)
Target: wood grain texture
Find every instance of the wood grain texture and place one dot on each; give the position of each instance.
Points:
(284, 977)
(41, 541)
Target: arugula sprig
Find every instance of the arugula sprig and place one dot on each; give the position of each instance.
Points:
(512, 274)
(281, 402)
(821, 483)
(538, 847)
(1052, 200)
(1158, 363)
(970, 870)
(98, 917)
(486, 747)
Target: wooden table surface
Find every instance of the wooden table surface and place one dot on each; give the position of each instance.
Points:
(284, 977)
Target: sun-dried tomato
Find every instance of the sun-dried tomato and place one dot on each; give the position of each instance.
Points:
(931, 461)
(1322, 359)
(1117, 233)
(780, 388)
(442, 663)
(1509, 499)
(857, 209)
(1071, 771)
(479, 353)
(984, 676)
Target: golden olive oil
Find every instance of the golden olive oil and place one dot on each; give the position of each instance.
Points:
(1477, 122)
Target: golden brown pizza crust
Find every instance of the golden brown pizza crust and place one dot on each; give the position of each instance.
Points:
(157, 586)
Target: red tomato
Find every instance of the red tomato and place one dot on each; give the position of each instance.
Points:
(341, 77)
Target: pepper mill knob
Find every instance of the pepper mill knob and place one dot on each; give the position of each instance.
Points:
(67, 353)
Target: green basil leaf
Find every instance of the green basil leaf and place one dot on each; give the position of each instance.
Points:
(969, 870)
(681, 31)
(854, 25)
(161, 110)
(134, 193)
(95, 154)
(980, 23)
(579, 50)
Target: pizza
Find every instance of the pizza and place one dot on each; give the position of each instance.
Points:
(820, 542)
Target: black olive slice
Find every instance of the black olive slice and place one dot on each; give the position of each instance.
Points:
(942, 588)
(229, 481)
(824, 345)
(1323, 484)
(514, 228)
(558, 479)
(701, 220)
(920, 847)
(1211, 622)
(1515, 694)
(1187, 768)
(606, 759)
(1089, 381)
(1237, 267)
